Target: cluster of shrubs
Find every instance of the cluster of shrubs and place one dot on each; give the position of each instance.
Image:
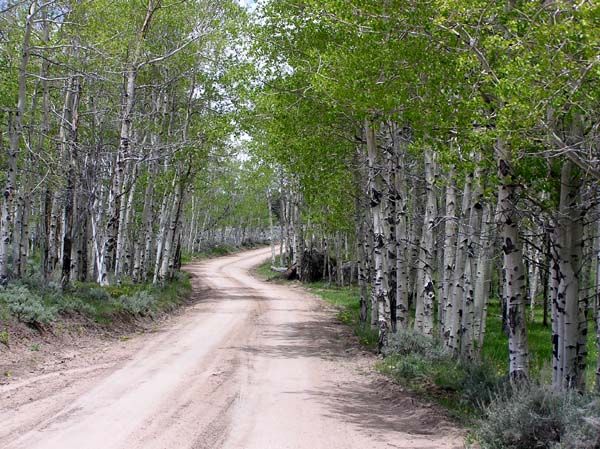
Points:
(41, 304)
(425, 365)
(26, 305)
(527, 416)
(536, 416)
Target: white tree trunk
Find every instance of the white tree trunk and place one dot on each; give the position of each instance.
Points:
(514, 269)
(15, 136)
(402, 269)
(568, 238)
(424, 314)
(375, 196)
(171, 237)
(473, 250)
(597, 304)
(162, 235)
(450, 231)
(483, 276)
(453, 312)
(271, 228)
(533, 276)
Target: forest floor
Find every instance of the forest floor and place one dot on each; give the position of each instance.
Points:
(248, 364)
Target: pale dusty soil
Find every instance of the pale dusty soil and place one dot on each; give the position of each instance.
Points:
(251, 365)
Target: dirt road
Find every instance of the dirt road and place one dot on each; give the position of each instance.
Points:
(250, 366)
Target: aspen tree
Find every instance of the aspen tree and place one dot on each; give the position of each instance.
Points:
(379, 296)
(513, 266)
(424, 315)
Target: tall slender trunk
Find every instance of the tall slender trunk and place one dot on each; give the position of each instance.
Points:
(483, 276)
(390, 273)
(454, 305)
(401, 189)
(15, 136)
(162, 235)
(147, 220)
(45, 130)
(363, 280)
(375, 196)
(424, 314)
(568, 242)
(597, 304)
(450, 230)
(123, 247)
(533, 270)
(82, 229)
(22, 243)
(473, 249)
(360, 218)
(513, 268)
(68, 135)
(271, 228)
(5, 234)
(172, 235)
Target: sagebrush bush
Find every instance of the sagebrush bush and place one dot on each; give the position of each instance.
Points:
(533, 416)
(421, 362)
(98, 293)
(582, 423)
(34, 280)
(26, 305)
(412, 368)
(139, 303)
(406, 341)
(480, 383)
(69, 304)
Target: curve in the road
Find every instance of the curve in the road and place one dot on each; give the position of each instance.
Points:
(251, 365)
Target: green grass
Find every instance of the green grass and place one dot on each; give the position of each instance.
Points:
(263, 271)
(346, 299)
(456, 385)
(495, 346)
(103, 305)
(462, 387)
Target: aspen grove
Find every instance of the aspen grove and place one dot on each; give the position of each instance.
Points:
(116, 141)
(441, 154)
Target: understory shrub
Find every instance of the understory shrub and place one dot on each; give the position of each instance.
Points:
(98, 294)
(138, 303)
(71, 304)
(405, 342)
(534, 416)
(35, 303)
(26, 305)
(425, 365)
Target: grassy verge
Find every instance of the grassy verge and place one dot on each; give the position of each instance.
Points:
(495, 347)
(477, 393)
(264, 272)
(424, 366)
(345, 299)
(40, 305)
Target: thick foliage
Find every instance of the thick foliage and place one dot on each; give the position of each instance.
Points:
(423, 364)
(534, 416)
(26, 305)
(139, 303)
